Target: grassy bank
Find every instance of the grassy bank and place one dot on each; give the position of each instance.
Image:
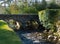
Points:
(7, 35)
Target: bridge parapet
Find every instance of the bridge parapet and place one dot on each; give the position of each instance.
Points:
(19, 17)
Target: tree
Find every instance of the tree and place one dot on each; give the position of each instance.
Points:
(44, 4)
(53, 6)
(25, 7)
(40, 6)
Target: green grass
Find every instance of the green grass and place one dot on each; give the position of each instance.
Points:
(7, 35)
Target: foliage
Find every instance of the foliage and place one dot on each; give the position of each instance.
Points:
(7, 11)
(49, 17)
(53, 6)
(40, 6)
(29, 10)
(24, 7)
(33, 7)
(13, 9)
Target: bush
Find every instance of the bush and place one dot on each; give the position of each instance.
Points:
(49, 17)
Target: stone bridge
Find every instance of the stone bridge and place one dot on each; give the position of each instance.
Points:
(24, 34)
(19, 18)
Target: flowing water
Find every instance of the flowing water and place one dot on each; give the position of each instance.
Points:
(31, 37)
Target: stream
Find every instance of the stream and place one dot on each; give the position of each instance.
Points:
(31, 37)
